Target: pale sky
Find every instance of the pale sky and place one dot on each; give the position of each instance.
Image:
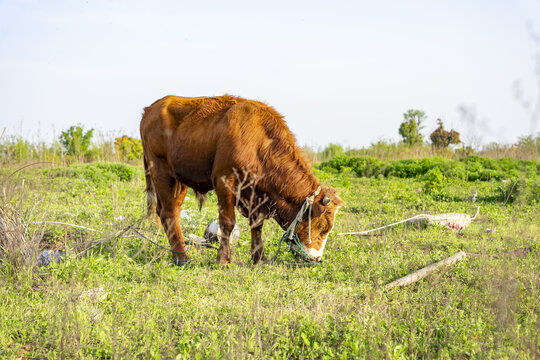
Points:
(339, 71)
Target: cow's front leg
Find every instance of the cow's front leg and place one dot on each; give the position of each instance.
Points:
(227, 219)
(257, 248)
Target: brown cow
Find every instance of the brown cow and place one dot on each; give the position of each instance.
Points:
(224, 143)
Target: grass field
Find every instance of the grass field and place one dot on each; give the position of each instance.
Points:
(481, 307)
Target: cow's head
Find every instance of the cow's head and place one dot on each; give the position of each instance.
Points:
(323, 214)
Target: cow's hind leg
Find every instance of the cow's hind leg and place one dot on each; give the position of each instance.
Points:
(170, 196)
(227, 219)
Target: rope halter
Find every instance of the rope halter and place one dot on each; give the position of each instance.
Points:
(292, 237)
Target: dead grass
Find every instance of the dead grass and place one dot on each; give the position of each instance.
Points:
(19, 245)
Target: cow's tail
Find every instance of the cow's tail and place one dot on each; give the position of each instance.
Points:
(151, 199)
(201, 198)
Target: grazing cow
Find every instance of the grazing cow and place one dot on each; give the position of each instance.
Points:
(244, 151)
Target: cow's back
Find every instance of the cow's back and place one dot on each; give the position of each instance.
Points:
(198, 137)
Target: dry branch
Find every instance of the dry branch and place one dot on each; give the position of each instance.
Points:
(247, 199)
(422, 273)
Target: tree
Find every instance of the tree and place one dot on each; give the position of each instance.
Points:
(76, 141)
(442, 138)
(411, 126)
(128, 148)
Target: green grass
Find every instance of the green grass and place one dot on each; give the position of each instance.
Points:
(478, 308)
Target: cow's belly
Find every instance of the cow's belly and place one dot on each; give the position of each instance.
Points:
(191, 161)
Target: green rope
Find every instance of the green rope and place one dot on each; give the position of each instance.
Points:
(296, 248)
(291, 237)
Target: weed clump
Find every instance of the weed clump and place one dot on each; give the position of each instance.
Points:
(18, 246)
(433, 181)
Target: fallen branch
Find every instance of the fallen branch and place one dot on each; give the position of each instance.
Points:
(422, 273)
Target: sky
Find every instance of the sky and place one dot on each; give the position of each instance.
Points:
(339, 71)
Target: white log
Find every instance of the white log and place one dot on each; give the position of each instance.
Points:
(422, 273)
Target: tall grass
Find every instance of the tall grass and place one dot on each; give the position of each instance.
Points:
(20, 242)
(18, 150)
(526, 148)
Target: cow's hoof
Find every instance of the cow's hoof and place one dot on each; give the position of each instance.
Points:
(257, 259)
(224, 263)
(181, 262)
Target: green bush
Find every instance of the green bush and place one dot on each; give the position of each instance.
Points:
(363, 166)
(509, 190)
(433, 180)
(407, 168)
(472, 168)
(96, 173)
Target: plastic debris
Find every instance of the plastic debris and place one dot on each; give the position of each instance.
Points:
(454, 221)
(49, 256)
(95, 315)
(198, 241)
(212, 233)
(94, 295)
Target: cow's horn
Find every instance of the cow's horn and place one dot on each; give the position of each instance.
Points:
(326, 201)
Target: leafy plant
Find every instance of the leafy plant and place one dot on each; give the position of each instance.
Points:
(509, 190)
(433, 181)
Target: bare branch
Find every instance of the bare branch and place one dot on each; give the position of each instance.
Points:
(248, 199)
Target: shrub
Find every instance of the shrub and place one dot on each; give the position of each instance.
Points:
(407, 168)
(361, 165)
(433, 180)
(471, 168)
(96, 173)
(509, 190)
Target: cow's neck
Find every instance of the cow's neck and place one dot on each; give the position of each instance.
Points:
(288, 180)
(285, 210)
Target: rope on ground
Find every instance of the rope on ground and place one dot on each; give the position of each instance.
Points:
(450, 219)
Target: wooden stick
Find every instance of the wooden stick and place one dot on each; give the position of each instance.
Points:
(422, 273)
